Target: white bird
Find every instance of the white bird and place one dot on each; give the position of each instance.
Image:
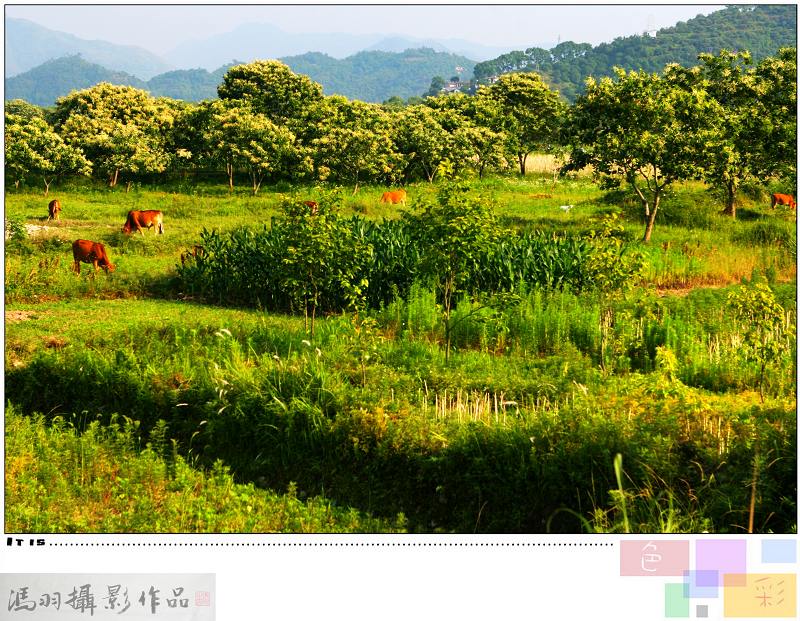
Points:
(566, 207)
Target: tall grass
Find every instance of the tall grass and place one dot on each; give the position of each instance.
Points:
(277, 409)
(60, 481)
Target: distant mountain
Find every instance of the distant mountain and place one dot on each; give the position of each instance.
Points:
(256, 40)
(368, 76)
(28, 45)
(461, 47)
(56, 78)
(376, 76)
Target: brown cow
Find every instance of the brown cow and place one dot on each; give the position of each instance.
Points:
(138, 220)
(53, 209)
(398, 196)
(783, 199)
(87, 251)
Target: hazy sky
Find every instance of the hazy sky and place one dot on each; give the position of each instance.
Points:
(159, 28)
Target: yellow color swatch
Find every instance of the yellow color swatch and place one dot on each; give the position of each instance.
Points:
(760, 595)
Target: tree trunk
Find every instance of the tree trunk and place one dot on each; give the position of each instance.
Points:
(229, 170)
(46, 186)
(651, 218)
(523, 158)
(128, 187)
(730, 202)
(112, 182)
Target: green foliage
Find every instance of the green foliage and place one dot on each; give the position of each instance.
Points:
(613, 266)
(249, 140)
(21, 108)
(32, 148)
(351, 142)
(375, 76)
(271, 88)
(755, 126)
(120, 129)
(322, 254)
(644, 129)
(117, 488)
(531, 113)
(767, 332)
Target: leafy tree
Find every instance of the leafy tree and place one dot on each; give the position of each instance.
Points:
(244, 139)
(120, 129)
(643, 129)
(476, 128)
(271, 88)
(777, 112)
(351, 142)
(455, 232)
(479, 147)
(21, 108)
(190, 134)
(437, 84)
(394, 102)
(322, 254)
(32, 147)
(532, 113)
(421, 139)
(755, 119)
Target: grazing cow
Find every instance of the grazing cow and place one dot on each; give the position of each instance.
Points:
(53, 209)
(313, 205)
(398, 196)
(138, 220)
(87, 251)
(783, 199)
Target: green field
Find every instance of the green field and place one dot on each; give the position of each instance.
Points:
(134, 404)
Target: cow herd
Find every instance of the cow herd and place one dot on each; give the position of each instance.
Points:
(86, 251)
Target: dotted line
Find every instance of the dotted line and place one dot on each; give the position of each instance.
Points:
(334, 545)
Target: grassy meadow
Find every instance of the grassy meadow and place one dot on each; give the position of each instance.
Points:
(135, 405)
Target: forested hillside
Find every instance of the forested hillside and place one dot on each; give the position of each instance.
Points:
(188, 84)
(56, 78)
(376, 76)
(760, 29)
(368, 76)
